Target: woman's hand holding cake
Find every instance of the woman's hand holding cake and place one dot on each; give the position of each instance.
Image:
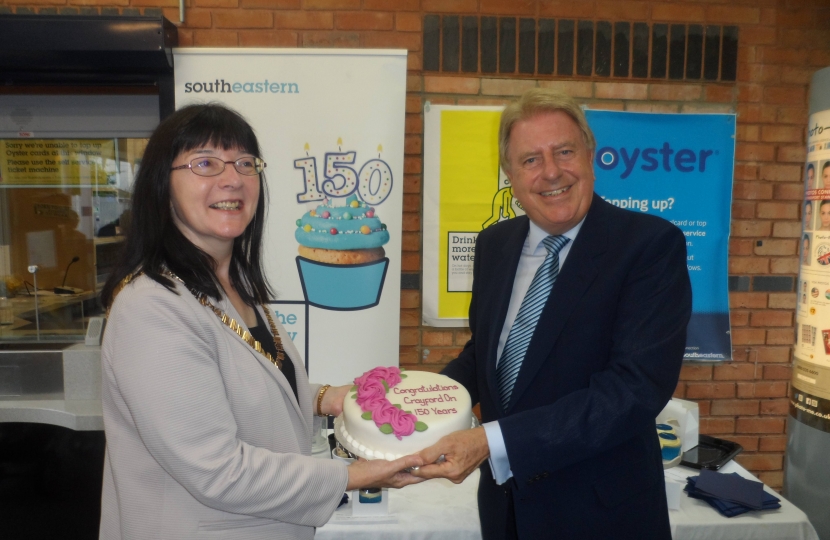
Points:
(376, 473)
(379, 473)
(332, 402)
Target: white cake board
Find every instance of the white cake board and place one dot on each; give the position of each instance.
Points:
(338, 422)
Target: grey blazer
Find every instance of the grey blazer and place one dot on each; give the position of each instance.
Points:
(205, 438)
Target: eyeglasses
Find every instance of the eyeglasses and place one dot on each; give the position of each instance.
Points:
(213, 166)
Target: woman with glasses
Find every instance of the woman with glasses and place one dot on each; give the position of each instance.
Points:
(207, 409)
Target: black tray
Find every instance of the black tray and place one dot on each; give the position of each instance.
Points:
(711, 453)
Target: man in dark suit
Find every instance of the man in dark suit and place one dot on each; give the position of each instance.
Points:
(569, 392)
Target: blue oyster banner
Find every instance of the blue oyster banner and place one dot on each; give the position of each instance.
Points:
(678, 167)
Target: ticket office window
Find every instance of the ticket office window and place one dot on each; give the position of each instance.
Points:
(64, 207)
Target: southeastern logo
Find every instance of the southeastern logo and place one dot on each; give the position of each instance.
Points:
(221, 86)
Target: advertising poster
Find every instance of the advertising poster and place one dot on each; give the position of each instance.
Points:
(57, 162)
(811, 369)
(678, 167)
(331, 127)
(653, 163)
(464, 192)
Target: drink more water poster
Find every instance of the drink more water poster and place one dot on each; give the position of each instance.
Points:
(331, 126)
(676, 166)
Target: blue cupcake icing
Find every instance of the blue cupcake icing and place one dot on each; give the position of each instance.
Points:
(353, 226)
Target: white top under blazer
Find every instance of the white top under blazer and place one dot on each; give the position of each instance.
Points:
(205, 438)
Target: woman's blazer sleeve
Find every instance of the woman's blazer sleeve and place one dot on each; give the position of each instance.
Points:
(160, 362)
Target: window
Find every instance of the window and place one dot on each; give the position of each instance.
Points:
(63, 203)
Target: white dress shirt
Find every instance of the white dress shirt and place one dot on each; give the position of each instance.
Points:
(533, 255)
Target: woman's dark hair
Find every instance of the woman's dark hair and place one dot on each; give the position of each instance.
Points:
(153, 240)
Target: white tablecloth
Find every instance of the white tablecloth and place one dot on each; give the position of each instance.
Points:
(438, 509)
(430, 510)
(696, 520)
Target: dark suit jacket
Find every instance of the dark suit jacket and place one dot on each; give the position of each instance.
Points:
(602, 363)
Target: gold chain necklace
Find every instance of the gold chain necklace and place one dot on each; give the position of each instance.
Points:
(229, 321)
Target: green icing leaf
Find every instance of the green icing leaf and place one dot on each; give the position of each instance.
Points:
(396, 405)
(386, 386)
(367, 415)
(420, 426)
(402, 369)
(353, 388)
(354, 396)
(403, 376)
(386, 428)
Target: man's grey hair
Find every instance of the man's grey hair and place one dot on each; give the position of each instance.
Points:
(536, 101)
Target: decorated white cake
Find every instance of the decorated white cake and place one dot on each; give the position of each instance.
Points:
(390, 412)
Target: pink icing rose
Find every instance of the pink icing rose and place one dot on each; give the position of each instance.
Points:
(403, 423)
(384, 414)
(370, 393)
(373, 404)
(371, 396)
(391, 375)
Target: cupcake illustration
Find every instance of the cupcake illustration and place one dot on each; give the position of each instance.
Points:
(342, 263)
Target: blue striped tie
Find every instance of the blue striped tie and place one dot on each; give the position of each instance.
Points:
(534, 301)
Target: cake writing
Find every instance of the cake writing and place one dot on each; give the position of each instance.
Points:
(425, 412)
(371, 389)
(424, 389)
(428, 400)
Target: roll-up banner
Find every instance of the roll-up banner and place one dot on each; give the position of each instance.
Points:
(676, 166)
(810, 402)
(331, 127)
(806, 475)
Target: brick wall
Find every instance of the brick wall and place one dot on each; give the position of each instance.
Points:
(781, 43)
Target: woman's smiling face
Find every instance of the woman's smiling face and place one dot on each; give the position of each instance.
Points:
(211, 211)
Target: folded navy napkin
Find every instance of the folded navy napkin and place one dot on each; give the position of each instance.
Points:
(727, 487)
(730, 494)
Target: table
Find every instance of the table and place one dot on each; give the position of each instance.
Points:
(438, 509)
(696, 520)
(430, 510)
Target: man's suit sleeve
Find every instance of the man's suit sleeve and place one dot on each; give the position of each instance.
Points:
(463, 368)
(621, 400)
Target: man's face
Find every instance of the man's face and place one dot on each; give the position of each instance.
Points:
(825, 176)
(551, 170)
(825, 216)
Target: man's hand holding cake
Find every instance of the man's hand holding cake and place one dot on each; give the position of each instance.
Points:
(463, 452)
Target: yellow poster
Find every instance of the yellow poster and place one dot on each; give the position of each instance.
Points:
(465, 191)
(55, 162)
